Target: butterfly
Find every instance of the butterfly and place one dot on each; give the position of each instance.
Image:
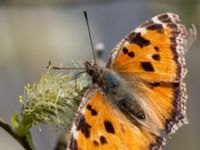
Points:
(139, 98)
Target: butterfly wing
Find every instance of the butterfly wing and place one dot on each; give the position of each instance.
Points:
(101, 125)
(153, 51)
(152, 59)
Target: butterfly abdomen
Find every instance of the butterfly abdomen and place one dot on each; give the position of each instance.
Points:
(129, 106)
(117, 91)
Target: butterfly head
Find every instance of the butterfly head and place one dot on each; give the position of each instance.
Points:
(93, 70)
(104, 77)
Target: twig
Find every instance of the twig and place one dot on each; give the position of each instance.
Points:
(21, 140)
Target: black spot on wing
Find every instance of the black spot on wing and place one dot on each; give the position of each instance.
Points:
(84, 127)
(109, 127)
(93, 112)
(103, 140)
(125, 50)
(156, 48)
(131, 54)
(157, 27)
(155, 84)
(137, 39)
(89, 107)
(156, 57)
(96, 143)
(147, 66)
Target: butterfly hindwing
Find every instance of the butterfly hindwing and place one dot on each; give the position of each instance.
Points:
(164, 104)
(101, 125)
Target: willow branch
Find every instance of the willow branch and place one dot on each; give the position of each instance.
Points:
(21, 140)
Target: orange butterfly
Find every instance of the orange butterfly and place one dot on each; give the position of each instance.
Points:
(140, 96)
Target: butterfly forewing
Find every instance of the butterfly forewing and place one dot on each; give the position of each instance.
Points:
(154, 51)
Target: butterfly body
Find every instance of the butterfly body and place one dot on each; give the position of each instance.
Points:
(116, 88)
(139, 95)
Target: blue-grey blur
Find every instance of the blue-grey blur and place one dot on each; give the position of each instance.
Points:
(32, 32)
(111, 80)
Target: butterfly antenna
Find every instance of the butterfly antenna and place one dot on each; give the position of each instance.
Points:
(92, 46)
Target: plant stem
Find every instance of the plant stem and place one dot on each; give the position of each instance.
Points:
(21, 140)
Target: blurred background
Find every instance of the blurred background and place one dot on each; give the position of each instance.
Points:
(32, 32)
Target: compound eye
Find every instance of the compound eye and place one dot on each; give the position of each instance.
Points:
(87, 64)
(91, 72)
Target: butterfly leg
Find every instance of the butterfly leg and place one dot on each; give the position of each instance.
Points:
(190, 38)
